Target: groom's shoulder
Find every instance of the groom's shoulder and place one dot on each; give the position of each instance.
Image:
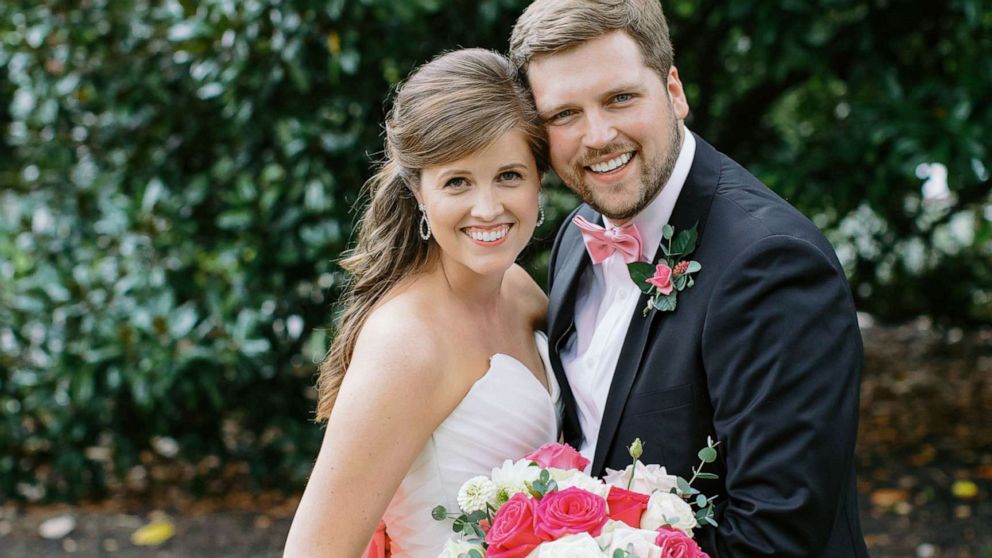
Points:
(746, 209)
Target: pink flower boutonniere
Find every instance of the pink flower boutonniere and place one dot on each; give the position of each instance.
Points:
(672, 274)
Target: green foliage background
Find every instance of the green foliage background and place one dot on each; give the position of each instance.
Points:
(178, 177)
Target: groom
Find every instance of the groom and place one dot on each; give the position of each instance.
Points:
(762, 352)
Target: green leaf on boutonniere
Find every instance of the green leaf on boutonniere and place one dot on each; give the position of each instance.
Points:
(680, 282)
(684, 243)
(665, 303)
(667, 231)
(640, 272)
(694, 266)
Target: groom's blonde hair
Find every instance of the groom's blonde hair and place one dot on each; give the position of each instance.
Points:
(550, 26)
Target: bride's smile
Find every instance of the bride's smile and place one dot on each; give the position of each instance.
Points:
(482, 208)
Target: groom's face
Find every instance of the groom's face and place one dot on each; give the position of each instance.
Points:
(615, 127)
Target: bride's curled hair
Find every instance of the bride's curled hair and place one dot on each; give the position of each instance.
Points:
(447, 109)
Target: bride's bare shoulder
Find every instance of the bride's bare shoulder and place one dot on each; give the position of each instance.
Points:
(521, 287)
(400, 333)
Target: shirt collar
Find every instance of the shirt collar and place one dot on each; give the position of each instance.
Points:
(652, 219)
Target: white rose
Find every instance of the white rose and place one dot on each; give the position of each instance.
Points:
(617, 535)
(579, 545)
(455, 548)
(585, 482)
(668, 509)
(647, 478)
(512, 477)
(476, 493)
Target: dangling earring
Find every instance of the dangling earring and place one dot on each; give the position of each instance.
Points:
(425, 225)
(540, 211)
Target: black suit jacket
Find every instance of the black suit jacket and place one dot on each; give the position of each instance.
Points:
(763, 354)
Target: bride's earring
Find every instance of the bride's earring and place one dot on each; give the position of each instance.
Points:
(540, 212)
(425, 225)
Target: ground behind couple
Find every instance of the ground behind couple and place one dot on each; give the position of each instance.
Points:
(923, 450)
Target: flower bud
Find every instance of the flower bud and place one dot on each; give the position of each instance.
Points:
(636, 449)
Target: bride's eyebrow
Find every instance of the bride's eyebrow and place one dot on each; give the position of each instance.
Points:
(452, 172)
(511, 166)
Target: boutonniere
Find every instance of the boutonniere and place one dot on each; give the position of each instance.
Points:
(672, 274)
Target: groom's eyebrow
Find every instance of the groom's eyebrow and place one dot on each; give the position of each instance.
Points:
(623, 88)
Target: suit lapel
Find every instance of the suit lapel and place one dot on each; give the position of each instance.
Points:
(691, 208)
(561, 315)
(574, 261)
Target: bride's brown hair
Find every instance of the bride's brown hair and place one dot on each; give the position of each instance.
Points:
(447, 109)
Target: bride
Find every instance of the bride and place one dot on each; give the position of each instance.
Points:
(437, 373)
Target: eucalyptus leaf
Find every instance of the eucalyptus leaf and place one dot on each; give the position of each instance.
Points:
(707, 455)
(666, 303)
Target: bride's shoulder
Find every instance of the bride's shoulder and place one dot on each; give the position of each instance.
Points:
(523, 289)
(398, 335)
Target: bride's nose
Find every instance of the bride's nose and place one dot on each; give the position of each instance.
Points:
(487, 206)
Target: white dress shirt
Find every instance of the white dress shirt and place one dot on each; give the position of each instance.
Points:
(604, 304)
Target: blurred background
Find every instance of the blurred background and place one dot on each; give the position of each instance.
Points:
(178, 179)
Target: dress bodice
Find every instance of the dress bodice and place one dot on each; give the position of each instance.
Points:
(505, 414)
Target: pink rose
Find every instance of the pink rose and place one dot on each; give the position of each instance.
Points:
(676, 544)
(512, 533)
(627, 505)
(662, 279)
(568, 511)
(559, 456)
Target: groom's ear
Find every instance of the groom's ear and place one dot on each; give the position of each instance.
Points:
(677, 93)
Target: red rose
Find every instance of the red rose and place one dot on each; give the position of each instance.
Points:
(662, 279)
(512, 533)
(568, 511)
(627, 505)
(676, 544)
(559, 456)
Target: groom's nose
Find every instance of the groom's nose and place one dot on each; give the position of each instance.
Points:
(599, 130)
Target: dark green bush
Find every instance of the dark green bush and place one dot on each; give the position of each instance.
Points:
(177, 179)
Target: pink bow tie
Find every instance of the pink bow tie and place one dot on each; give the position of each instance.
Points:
(602, 243)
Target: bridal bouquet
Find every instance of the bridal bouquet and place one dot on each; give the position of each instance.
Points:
(544, 506)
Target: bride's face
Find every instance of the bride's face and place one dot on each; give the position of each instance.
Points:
(483, 208)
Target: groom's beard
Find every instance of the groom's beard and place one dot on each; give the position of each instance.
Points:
(654, 176)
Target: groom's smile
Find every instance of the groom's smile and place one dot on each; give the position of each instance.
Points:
(614, 125)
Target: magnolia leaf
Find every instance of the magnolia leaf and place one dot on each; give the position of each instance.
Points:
(640, 272)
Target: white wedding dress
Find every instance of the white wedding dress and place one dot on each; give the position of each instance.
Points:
(506, 414)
